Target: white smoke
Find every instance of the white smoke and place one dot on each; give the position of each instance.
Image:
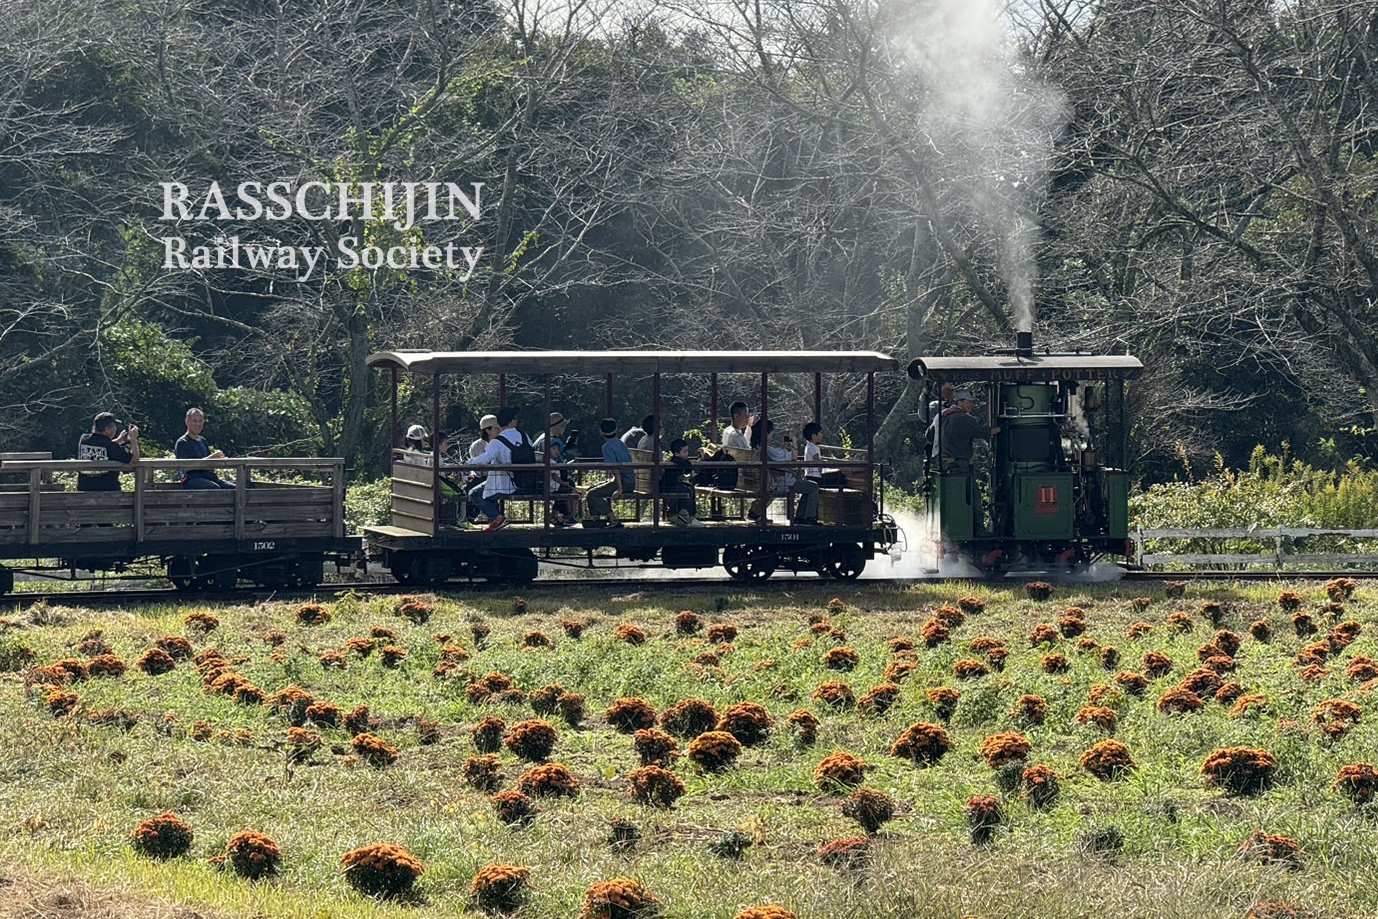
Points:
(992, 125)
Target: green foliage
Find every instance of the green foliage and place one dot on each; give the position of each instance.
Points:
(367, 504)
(1274, 491)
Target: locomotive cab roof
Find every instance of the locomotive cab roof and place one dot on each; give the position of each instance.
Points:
(1035, 368)
(547, 362)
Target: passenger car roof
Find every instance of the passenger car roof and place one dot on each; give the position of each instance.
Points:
(1037, 368)
(601, 362)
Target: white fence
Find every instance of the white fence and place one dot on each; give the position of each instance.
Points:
(1287, 544)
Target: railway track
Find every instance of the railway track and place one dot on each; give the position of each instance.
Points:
(143, 595)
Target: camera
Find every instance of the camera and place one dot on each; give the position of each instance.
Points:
(571, 440)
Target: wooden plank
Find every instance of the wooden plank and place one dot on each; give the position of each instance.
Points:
(73, 499)
(295, 495)
(1195, 559)
(338, 502)
(412, 490)
(87, 534)
(406, 472)
(159, 532)
(189, 497)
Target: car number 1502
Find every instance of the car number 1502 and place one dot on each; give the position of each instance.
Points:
(265, 546)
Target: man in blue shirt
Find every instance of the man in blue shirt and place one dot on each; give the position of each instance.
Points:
(600, 497)
(192, 445)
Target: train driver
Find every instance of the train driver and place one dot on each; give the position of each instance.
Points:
(960, 431)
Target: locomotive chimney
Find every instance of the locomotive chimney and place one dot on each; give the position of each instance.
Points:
(1023, 343)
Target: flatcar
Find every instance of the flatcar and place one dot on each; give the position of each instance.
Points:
(427, 542)
(1052, 488)
(267, 531)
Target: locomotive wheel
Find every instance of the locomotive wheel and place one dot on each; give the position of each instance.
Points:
(748, 563)
(181, 571)
(845, 562)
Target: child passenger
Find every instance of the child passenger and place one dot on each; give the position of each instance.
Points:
(676, 487)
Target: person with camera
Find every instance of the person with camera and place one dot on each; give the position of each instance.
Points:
(103, 445)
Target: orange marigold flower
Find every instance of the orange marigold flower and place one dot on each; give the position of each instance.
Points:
(1029, 709)
(714, 751)
(514, 808)
(374, 750)
(162, 837)
(1005, 747)
(969, 669)
(1242, 770)
(655, 786)
(689, 718)
(252, 855)
(839, 769)
(835, 694)
(1358, 782)
(880, 699)
(844, 659)
(1043, 634)
(532, 739)
(944, 700)
(619, 898)
(551, 780)
(1273, 849)
(500, 888)
(1107, 760)
(1102, 717)
(923, 743)
(849, 852)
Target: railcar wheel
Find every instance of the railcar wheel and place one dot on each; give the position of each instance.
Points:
(845, 562)
(748, 563)
(403, 568)
(6, 580)
(181, 571)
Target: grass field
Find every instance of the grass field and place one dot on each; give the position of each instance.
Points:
(1156, 841)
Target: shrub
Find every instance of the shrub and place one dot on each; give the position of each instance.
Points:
(630, 715)
(362, 647)
(1102, 717)
(1040, 785)
(880, 699)
(544, 700)
(1039, 590)
(899, 671)
(252, 855)
(923, 743)
(984, 816)
(630, 634)
(843, 659)
(944, 700)
(382, 633)
(619, 898)
(1202, 681)
(114, 718)
(934, 633)
(532, 739)
(969, 669)
(312, 614)
(500, 888)
(1341, 588)
(573, 628)
(155, 662)
(850, 852)
(1358, 782)
(749, 722)
(655, 748)
(1029, 710)
(1303, 625)
(551, 780)
(655, 786)
(162, 837)
(714, 751)
(1178, 622)
(1110, 657)
(1054, 663)
(570, 705)
(1179, 701)
(722, 632)
(839, 770)
(1071, 626)
(201, 621)
(374, 750)
(870, 808)
(835, 694)
(1273, 849)
(481, 772)
(381, 870)
(177, 647)
(1336, 716)
(688, 623)
(358, 721)
(514, 808)
(1241, 770)
(623, 834)
(1107, 760)
(1249, 704)
(1006, 747)
(1138, 630)
(480, 632)
(971, 605)
(689, 718)
(765, 912)
(487, 734)
(302, 744)
(105, 665)
(1043, 634)
(418, 609)
(1228, 692)
(1156, 664)
(804, 726)
(537, 639)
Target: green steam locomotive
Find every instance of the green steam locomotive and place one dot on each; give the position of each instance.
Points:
(1051, 489)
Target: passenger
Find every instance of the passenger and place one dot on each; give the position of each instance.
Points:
(567, 508)
(192, 445)
(960, 431)
(681, 509)
(600, 497)
(418, 449)
(488, 494)
(783, 481)
(636, 433)
(102, 445)
(487, 427)
(738, 433)
(813, 437)
(653, 427)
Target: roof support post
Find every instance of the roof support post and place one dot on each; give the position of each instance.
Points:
(545, 457)
(655, 450)
(435, 454)
(713, 407)
(764, 490)
(870, 434)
